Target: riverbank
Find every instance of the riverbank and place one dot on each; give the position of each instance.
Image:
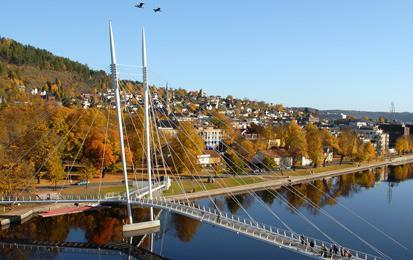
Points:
(289, 180)
(21, 215)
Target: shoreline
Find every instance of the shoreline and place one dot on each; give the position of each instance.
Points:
(292, 180)
(18, 216)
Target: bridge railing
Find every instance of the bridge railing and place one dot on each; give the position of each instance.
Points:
(250, 227)
(258, 229)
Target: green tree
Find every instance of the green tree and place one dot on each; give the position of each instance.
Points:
(269, 163)
(235, 165)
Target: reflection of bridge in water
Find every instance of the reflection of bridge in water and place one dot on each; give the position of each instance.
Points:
(111, 249)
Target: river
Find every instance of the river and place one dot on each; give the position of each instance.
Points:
(355, 201)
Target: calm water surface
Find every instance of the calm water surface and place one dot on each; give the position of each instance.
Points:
(383, 197)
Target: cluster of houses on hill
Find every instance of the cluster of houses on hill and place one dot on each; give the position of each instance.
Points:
(180, 105)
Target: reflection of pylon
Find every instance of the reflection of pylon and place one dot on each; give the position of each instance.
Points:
(390, 193)
(393, 111)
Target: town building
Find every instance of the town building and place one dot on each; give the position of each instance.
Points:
(212, 136)
(209, 158)
(377, 137)
(279, 156)
(395, 131)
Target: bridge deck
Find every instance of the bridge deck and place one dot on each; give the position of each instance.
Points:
(272, 235)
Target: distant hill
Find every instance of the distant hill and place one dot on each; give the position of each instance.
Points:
(405, 117)
(25, 65)
(13, 52)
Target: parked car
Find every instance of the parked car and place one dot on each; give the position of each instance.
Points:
(80, 183)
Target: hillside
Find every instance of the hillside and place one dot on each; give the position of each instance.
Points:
(27, 67)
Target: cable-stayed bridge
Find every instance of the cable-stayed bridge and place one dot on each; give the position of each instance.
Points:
(153, 150)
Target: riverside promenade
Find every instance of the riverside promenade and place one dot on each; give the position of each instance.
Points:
(292, 180)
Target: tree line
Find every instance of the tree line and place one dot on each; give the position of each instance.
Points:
(44, 141)
(16, 53)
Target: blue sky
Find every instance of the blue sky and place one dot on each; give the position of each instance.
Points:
(346, 54)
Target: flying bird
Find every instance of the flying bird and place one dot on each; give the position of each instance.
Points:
(156, 10)
(140, 5)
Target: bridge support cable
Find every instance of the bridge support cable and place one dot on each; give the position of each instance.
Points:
(251, 193)
(103, 165)
(301, 196)
(300, 214)
(144, 152)
(25, 153)
(248, 191)
(68, 177)
(29, 181)
(259, 199)
(368, 244)
(282, 238)
(204, 187)
(122, 84)
(352, 212)
(128, 147)
(171, 151)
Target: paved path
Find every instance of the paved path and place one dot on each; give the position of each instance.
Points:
(275, 184)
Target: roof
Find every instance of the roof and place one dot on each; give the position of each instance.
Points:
(212, 153)
(275, 153)
(167, 124)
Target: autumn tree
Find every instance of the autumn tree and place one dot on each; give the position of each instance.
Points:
(370, 151)
(365, 152)
(281, 132)
(99, 149)
(87, 173)
(348, 143)
(55, 170)
(223, 122)
(245, 148)
(14, 176)
(279, 108)
(314, 144)
(329, 141)
(186, 147)
(403, 145)
(295, 142)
